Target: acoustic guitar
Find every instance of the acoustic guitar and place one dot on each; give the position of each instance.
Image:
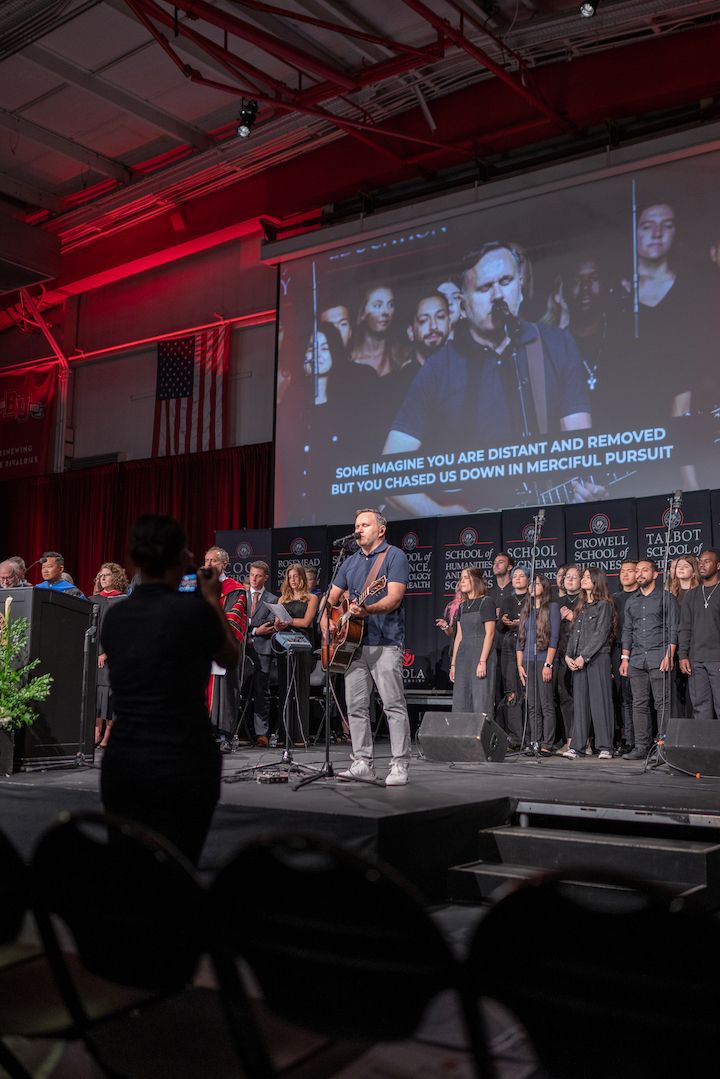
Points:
(346, 632)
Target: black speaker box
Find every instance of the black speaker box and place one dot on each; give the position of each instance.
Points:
(693, 745)
(461, 736)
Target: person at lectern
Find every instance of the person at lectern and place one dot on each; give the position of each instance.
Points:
(9, 576)
(162, 765)
(474, 659)
(379, 659)
(53, 565)
(509, 379)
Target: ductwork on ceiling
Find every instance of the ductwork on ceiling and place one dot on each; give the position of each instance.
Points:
(28, 255)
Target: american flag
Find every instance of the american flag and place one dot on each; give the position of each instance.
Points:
(190, 393)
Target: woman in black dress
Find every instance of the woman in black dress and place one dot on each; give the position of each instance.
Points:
(162, 766)
(301, 605)
(472, 671)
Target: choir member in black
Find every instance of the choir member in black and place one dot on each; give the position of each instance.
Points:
(111, 585)
(568, 601)
(588, 657)
(162, 765)
(507, 629)
(699, 638)
(499, 586)
(224, 687)
(294, 671)
(538, 634)
(685, 577)
(623, 689)
(472, 670)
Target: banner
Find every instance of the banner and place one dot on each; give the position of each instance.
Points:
(423, 642)
(244, 547)
(26, 421)
(518, 532)
(603, 535)
(308, 546)
(471, 540)
(690, 526)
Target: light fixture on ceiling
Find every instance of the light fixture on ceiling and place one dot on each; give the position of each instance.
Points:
(246, 119)
(588, 8)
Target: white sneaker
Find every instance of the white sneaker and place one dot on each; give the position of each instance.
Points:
(398, 774)
(571, 754)
(604, 755)
(361, 770)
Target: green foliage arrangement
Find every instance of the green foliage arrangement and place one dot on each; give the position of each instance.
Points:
(17, 690)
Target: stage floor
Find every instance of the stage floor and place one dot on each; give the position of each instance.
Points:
(421, 829)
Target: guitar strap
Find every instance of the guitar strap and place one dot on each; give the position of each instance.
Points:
(377, 566)
(536, 369)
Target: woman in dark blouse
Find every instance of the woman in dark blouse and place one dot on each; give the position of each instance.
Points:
(538, 632)
(588, 657)
(162, 766)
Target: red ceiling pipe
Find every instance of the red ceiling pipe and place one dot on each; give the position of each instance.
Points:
(459, 39)
(295, 58)
(423, 55)
(232, 63)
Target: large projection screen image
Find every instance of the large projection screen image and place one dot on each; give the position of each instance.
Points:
(556, 348)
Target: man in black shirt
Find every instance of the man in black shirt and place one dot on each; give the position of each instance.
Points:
(649, 641)
(622, 687)
(699, 638)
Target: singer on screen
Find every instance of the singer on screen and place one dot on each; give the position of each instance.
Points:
(509, 379)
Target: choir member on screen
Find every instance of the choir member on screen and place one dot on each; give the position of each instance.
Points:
(588, 657)
(452, 291)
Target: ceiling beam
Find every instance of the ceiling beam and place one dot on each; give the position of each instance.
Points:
(68, 147)
(121, 99)
(33, 196)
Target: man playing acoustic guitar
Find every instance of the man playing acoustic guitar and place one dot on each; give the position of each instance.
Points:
(379, 658)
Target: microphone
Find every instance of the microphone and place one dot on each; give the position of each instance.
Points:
(503, 319)
(38, 561)
(677, 499)
(345, 539)
(541, 516)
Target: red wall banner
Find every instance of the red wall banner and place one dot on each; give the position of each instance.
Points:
(26, 421)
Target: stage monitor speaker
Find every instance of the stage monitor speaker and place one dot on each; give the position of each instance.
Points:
(693, 745)
(461, 736)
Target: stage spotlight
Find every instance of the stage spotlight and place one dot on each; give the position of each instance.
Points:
(588, 8)
(246, 119)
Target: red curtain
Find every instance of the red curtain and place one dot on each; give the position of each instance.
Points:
(86, 515)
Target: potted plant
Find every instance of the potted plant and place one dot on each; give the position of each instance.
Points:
(17, 689)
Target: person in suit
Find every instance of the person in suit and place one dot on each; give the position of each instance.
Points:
(259, 646)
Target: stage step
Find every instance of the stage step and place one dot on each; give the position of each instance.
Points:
(511, 852)
(477, 882)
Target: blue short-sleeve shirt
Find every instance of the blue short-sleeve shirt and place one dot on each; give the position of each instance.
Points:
(386, 629)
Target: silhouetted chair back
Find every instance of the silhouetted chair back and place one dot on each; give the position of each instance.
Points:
(338, 944)
(131, 902)
(621, 993)
(14, 892)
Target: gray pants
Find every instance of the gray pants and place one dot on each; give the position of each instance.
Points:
(705, 690)
(382, 665)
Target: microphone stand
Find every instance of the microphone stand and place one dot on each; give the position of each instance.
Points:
(538, 521)
(326, 771)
